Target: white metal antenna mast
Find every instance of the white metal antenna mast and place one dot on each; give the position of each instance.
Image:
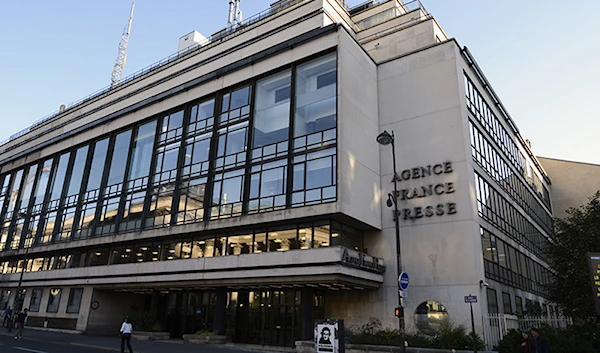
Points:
(117, 72)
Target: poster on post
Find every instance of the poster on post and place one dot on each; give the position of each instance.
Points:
(329, 336)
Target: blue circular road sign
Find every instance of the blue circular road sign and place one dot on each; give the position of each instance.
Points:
(403, 281)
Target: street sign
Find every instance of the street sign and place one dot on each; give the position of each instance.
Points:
(403, 281)
(594, 262)
(471, 299)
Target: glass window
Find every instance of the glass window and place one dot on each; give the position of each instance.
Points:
(97, 166)
(486, 244)
(99, 257)
(316, 92)
(272, 110)
(171, 127)
(119, 158)
(58, 179)
(4, 295)
(314, 178)
(430, 317)
(519, 305)
(14, 193)
(268, 186)
(77, 172)
(321, 235)
(27, 189)
(201, 118)
(53, 300)
(235, 106)
(142, 151)
(122, 255)
(227, 194)
(196, 155)
(231, 147)
(239, 244)
(42, 184)
(305, 236)
(74, 301)
(283, 240)
(191, 201)
(492, 300)
(36, 298)
(260, 242)
(507, 305)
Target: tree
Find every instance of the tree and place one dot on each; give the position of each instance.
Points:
(576, 235)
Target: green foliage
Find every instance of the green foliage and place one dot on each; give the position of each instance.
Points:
(574, 339)
(206, 333)
(456, 337)
(576, 235)
(143, 321)
(449, 337)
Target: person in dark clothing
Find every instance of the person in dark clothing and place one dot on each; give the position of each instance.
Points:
(21, 316)
(539, 343)
(526, 345)
(7, 318)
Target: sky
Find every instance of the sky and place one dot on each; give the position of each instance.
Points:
(541, 56)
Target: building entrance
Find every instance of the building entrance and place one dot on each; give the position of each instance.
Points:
(263, 317)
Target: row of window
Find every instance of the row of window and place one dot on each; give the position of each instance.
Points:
(264, 146)
(508, 265)
(531, 307)
(492, 125)
(490, 160)
(300, 236)
(53, 304)
(498, 211)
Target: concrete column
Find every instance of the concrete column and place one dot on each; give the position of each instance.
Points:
(221, 311)
(307, 313)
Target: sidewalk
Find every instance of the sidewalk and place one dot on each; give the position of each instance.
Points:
(114, 343)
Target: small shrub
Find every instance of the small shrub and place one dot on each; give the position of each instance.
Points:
(143, 321)
(456, 337)
(574, 339)
(206, 333)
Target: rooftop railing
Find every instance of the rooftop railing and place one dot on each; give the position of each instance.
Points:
(236, 28)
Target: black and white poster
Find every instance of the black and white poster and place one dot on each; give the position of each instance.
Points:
(327, 337)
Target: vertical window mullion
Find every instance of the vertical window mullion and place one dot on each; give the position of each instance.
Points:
(212, 156)
(249, 149)
(152, 174)
(180, 162)
(289, 187)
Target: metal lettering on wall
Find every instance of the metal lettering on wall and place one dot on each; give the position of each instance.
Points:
(444, 188)
(363, 261)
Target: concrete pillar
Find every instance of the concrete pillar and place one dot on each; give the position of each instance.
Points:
(221, 311)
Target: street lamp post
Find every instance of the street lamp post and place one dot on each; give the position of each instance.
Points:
(385, 139)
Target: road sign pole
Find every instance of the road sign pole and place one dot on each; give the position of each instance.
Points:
(473, 329)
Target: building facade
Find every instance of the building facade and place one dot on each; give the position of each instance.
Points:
(237, 186)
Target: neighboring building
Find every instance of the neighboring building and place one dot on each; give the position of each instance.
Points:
(573, 183)
(238, 185)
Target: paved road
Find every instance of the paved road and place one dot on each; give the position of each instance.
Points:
(9, 345)
(36, 341)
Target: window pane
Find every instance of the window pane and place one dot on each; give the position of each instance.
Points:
(53, 300)
(77, 172)
(36, 298)
(59, 177)
(316, 91)
(42, 185)
(283, 240)
(13, 193)
(119, 158)
(97, 166)
(28, 186)
(142, 151)
(74, 300)
(272, 109)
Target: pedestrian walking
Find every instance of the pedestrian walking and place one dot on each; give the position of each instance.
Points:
(7, 315)
(126, 330)
(20, 320)
(539, 343)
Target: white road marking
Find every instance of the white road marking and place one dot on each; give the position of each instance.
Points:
(29, 350)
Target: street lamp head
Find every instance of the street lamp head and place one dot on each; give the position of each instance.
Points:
(390, 201)
(385, 138)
